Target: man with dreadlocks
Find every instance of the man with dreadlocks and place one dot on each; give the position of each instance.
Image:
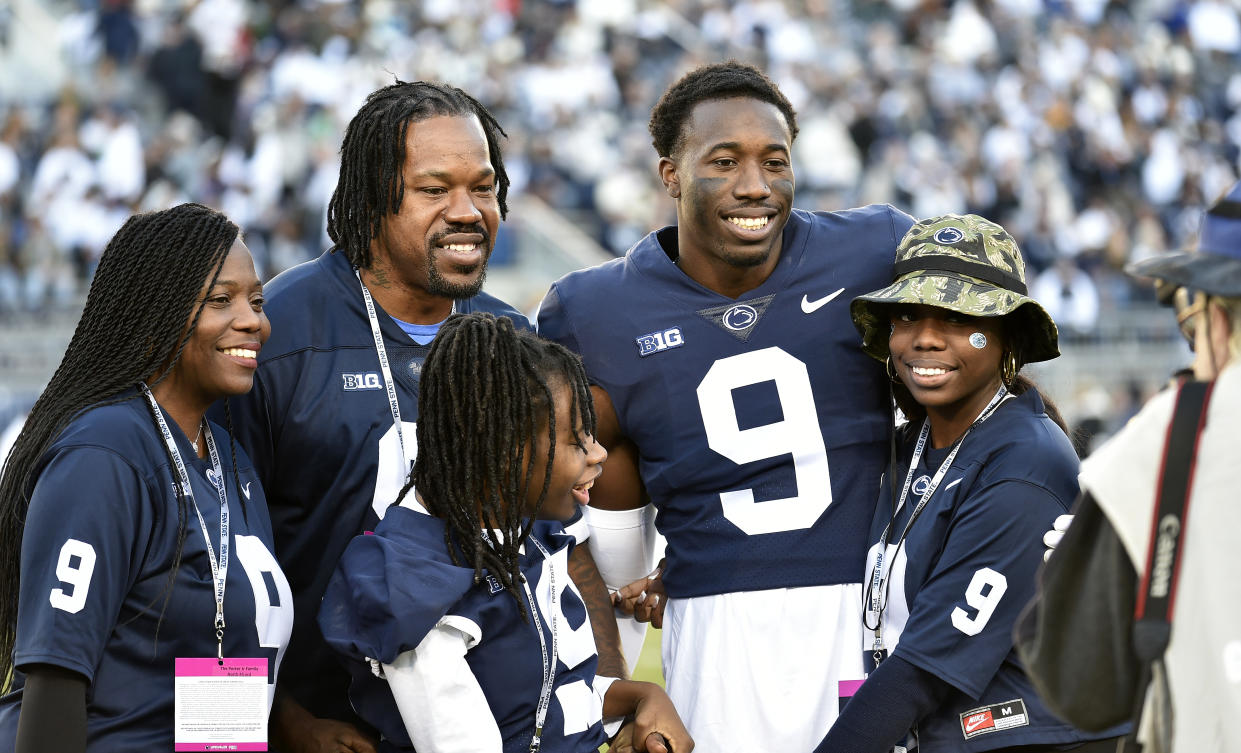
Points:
(135, 547)
(443, 606)
(331, 421)
(731, 390)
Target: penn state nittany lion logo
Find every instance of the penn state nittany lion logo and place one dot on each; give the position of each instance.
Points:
(739, 317)
(921, 484)
(948, 236)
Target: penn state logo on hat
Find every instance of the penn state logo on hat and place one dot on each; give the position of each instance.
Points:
(948, 236)
(963, 263)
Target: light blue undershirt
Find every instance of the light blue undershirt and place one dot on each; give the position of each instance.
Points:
(419, 333)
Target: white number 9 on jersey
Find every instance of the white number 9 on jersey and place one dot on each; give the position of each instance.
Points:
(75, 575)
(984, 603)
(797, 434)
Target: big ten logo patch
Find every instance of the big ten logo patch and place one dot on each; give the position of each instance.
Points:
(361, 380)
(993, 718)
(494, 585)
(656, 342)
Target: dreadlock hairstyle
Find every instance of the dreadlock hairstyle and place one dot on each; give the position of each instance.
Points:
(708, 83)
(132, 328)
(487, 392)
(372, 157)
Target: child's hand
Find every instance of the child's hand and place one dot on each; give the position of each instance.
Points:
(657, 726)
(623, 742)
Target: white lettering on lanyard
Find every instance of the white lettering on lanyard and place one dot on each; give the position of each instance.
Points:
(879, 577)
(219, 568)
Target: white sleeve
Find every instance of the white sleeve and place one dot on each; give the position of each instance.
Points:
(624, 543)
(611, 724)
(626, 547)
(440, 700)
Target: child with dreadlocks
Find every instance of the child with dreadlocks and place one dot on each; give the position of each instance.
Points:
(478, 638)
(125, 545)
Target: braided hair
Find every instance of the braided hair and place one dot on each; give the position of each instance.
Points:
(487, 392)
(706, 84)
(371, 185)
(132, 328)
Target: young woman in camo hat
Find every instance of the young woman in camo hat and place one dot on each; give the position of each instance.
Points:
(980, 470)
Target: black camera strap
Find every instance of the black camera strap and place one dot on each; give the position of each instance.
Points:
(1152, 615)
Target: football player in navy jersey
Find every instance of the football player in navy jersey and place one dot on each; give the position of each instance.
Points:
(139, 530)
(479, 638)
(983, 467)
(731, 392)
(331, 421)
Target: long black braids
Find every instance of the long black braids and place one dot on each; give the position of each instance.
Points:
(487, 395)
(132, 328)
(372, 156)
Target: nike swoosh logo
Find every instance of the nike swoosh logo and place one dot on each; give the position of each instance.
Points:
(809, 307)
(246, 490)
(974, 724)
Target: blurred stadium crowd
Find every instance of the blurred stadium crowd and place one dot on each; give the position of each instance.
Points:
(1095, 131)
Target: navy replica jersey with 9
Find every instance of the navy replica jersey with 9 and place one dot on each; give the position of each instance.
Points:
(760, 424)
(99, 543)
(967, 568)
(391, 588)
(318, 425)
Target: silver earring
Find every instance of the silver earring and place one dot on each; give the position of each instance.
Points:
(978, 340)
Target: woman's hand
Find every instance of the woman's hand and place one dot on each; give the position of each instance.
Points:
(296, 730)
(329, 736)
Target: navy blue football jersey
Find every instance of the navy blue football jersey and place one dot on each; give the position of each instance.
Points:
(967, 568)
(99, 543)
(391, 588)
(318, 426)
(760, 424)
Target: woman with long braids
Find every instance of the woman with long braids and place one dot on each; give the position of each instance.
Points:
(980, 470)
(135, 545)
(478, 639)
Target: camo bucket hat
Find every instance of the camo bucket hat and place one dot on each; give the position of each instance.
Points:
(962, 263)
